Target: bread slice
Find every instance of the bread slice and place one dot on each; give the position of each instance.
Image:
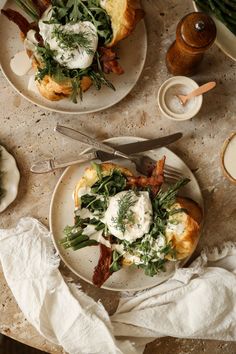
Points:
(90, 177)
(124, 15)
(183, 227)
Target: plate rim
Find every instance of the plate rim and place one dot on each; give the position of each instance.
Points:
(17, 180)
(88, 111)
(63, 258)
(217, 42)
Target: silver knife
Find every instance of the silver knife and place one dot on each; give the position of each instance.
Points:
(131, 148)
(76, 135)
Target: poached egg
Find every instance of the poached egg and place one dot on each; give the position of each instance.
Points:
(78, 57)
(135, 221)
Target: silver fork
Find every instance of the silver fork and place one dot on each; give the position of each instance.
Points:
(144, 164)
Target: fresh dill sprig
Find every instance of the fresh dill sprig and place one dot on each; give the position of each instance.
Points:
(70, 40)
(125, 215)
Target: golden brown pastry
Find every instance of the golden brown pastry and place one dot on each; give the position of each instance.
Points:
(54, 91)
(183, 227)
(124, 15)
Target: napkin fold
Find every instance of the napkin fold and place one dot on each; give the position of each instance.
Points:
(197, 302)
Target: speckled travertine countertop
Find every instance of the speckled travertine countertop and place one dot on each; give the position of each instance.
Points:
(27, 132)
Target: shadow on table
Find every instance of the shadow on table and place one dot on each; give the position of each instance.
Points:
(9, 346)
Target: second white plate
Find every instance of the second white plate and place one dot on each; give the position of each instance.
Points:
(131, 51)
(82, 262)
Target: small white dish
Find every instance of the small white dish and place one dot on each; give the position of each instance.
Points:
(10, 178)
(169, 103)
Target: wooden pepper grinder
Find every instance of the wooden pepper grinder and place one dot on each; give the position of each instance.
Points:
(195, 33)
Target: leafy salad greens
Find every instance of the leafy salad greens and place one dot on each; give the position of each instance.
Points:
(151, 248)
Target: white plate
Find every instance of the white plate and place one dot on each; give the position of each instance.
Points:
(132, 53)
(82, 262)
(225, 39)
(10, 178)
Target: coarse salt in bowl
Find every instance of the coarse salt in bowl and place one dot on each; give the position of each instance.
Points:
(169, 103)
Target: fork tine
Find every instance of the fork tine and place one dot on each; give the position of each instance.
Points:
(172, 169)
(174, 172)
(175, 175)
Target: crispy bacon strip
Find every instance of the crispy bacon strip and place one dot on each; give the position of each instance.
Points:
(109, 61)
(102, 270)
(159, 168)
(18, 19)
(154, 181)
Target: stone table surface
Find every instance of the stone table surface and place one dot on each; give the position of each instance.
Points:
(27, 131)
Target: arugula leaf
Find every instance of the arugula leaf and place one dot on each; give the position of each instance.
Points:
(110, 185)
(116, 261)
(153, 268)
(93, 204)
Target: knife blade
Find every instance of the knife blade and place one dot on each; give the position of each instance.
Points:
(137, 147)
(76, 135)
(109, 148)
(145, 145)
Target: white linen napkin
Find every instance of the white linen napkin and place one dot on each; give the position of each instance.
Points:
(198, 302)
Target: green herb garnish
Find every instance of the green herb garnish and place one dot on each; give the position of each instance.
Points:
(94, 204)
(110, 185)
(116, 261)
(125, 215)
(72, 11)
(70, 40)
(60, 73)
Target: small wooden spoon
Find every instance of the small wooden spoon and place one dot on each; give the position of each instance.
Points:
(199, 91)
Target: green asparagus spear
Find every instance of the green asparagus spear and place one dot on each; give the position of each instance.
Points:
(85, 244)
(221, 6)
(28, 8)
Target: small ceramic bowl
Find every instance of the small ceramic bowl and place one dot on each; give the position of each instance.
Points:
(228, 161)
(169, 103)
